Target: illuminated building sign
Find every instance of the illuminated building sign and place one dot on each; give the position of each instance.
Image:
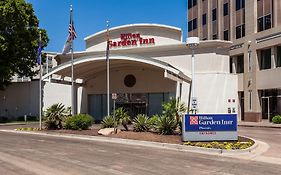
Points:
(131, 39)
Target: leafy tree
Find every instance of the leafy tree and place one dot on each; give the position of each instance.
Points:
(19, 37)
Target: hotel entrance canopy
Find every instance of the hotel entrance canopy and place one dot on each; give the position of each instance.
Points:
(87, 67)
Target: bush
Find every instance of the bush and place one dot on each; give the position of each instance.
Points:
(166, 125)
(79, 122)
(141, 123)
(276, 119)
(55, 116)
(107, 122)
(153, 120)
(122, 117)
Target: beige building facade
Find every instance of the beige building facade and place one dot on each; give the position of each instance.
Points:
(255, 56)
(149, 63)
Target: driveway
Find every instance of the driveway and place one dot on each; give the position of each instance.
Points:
(271, 136)
(34, 154)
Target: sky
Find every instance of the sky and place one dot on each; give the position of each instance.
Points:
(90, 17)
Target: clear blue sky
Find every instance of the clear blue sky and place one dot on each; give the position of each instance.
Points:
(90, 16)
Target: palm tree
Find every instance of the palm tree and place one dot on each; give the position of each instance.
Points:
(174, 108)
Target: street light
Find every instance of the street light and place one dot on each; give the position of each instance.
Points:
(192, 43)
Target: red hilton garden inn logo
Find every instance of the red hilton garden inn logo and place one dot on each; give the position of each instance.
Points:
(131, 39)
(193, 120)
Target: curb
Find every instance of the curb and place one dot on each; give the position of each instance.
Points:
(279, 127)
(11, 124)
(168, 146)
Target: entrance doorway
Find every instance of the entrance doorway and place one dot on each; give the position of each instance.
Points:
(270, 103)
(241, 101)
(133, 103)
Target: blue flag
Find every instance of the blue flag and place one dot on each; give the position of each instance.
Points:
(39, 53)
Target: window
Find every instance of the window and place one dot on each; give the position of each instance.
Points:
(240, 31)
(240, 64)
(278, 58)
(192, 25)
(237, 64)
(225, 9)
(214, 14)
(250, 100)
(265, 59)
(225, 35)
(264, 23)
(240, 4)
(230, 65)
(204, 19)
(192, 3)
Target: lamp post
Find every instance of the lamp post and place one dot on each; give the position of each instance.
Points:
(192, 43)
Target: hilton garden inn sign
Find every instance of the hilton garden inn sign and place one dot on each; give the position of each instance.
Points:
(208, 127)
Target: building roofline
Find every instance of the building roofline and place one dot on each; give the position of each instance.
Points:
(133, 25)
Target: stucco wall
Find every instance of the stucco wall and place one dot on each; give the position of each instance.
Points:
(20, 99)
(147, 80)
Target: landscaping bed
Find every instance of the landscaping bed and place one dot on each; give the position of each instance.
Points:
(242, 142)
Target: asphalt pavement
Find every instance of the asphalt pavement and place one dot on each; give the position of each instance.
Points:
(35, 154)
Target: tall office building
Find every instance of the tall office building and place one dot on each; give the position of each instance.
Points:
(254, 27)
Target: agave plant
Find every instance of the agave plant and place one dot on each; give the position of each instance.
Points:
(107, 122)
(141, 123)
(55, 116)
(165, 125)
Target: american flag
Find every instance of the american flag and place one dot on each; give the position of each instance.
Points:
(71, 30)
(71, 35)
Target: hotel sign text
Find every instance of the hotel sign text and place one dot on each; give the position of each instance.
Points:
(131, 39)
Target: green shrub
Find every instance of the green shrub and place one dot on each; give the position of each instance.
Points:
(166, 125)
(141, 123)
(276, 119)
(107, 122)
(174, 108)
(122, 117)
(153, 120)
(55, 116)
(79, 122)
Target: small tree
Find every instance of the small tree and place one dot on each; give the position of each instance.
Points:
(174, 108)
(55, 116)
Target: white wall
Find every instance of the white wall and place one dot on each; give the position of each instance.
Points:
(56, 93)
(213, 92)
(21, 98)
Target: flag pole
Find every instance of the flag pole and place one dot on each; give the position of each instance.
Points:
(40, 86)
(107, 67)
(72, 76)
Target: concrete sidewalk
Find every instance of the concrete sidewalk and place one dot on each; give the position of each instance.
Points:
(263, 124)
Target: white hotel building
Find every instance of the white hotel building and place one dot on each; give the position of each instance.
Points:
(149, 63)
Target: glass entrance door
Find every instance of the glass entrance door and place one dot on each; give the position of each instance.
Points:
(265, 108)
